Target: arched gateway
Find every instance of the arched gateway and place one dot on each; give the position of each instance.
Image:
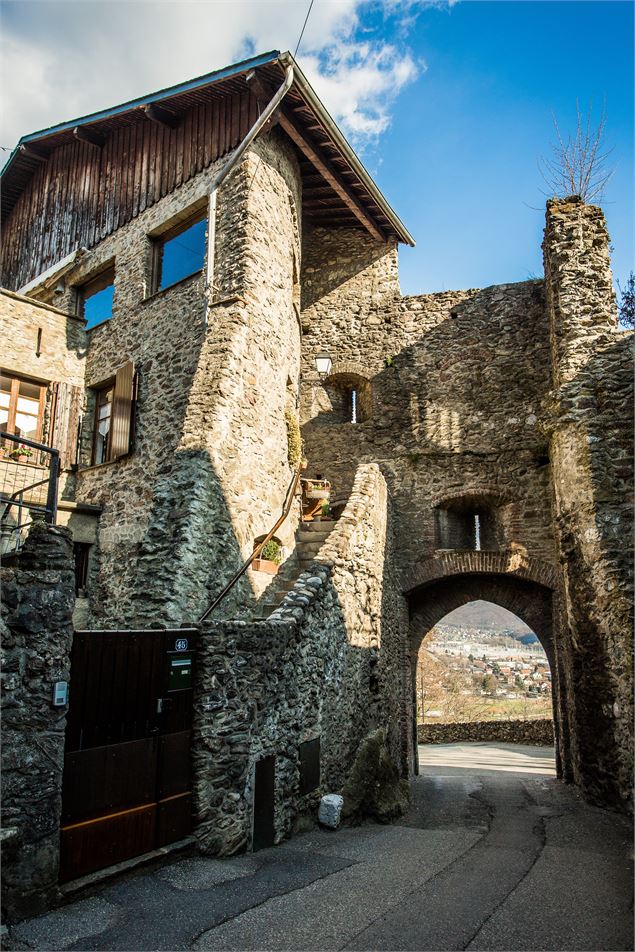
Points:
(524, 586)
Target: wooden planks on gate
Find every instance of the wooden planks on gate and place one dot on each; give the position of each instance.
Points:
(127, 782)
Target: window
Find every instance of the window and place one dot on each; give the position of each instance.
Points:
(103, 420)
(469, 522)
(96, 297)
(22, 407)
(179, 253)
(113, 428)
(81, 551)
(350, 398)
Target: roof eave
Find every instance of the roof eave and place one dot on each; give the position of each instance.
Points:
(285, 59)
(162, 94)
(316, 104)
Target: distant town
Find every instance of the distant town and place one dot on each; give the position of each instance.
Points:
(471, 673)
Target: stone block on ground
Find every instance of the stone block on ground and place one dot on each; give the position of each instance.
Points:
(330, 811)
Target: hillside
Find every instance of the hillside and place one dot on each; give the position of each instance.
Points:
(487, 616)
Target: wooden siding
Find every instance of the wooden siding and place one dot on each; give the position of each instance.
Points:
(83, 193)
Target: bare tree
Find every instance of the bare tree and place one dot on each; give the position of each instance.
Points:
(578, 164)
(626, 305)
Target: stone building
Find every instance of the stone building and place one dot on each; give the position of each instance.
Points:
(174, 269)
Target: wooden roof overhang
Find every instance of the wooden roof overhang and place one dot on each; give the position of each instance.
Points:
(337, 189)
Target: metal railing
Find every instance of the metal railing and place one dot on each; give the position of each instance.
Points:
(21, 500)
(286, 509)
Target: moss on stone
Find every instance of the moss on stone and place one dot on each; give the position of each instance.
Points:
(374, 790)
(294, 438)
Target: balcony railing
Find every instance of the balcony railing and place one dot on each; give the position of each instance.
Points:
(28, 487)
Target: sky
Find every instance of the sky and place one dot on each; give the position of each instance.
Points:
(449, 105)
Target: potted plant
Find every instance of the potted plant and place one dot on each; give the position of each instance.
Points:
(21, 454)
(325, 512)
(269, 559)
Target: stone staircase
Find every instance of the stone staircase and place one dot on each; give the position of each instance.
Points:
(310, 538)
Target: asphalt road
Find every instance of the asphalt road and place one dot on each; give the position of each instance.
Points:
(493, 854)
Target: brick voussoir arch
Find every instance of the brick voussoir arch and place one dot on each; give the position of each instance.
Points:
(350, 368)
(530, 602)
(470, 491)
(446, 564)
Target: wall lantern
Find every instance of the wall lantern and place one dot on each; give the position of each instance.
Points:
(323, 363)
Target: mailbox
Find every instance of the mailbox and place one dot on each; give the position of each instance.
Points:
(179, 672)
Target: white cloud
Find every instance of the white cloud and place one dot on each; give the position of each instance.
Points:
(359, 82)
(64, 59)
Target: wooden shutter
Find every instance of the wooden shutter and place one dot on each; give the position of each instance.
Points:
(122, 407)
(67, 404)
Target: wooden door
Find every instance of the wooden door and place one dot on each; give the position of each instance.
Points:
(264, 803)
(127, 786)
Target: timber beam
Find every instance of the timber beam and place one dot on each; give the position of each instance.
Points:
(161, 116)
(318, 158)
(82, 134)
(264, 93)
(30, 153)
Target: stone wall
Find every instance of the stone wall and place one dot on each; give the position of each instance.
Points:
(590, 425)
(37, 603)
(209, 469)
(457, 380)
(62, 343)
(328, 663)
(46, 344)
(538, 731)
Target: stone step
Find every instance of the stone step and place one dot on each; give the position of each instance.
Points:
(271, 601)
(261, 612)
(308, 550)
(314, 535)
(317, 526)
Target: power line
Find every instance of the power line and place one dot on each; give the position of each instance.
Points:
(297, 47)
(306, 20)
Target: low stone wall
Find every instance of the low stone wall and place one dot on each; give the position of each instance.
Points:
(539, 731)
(38, 595)
(328, 663)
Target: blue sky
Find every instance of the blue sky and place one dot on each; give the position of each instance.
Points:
(459, 159)
(449, 105)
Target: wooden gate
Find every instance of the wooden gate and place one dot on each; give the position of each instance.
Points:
(127, 786)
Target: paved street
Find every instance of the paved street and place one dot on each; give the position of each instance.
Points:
(493, 854)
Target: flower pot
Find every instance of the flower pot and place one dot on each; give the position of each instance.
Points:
(21, 458)
(265, 565)
(318, 493)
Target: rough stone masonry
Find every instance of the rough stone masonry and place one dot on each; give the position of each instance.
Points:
(509, 403)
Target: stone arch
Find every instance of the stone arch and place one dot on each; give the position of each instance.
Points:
(350, 392)
(514, 563)
(471, 489)
(528, 600)
(523, 585)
